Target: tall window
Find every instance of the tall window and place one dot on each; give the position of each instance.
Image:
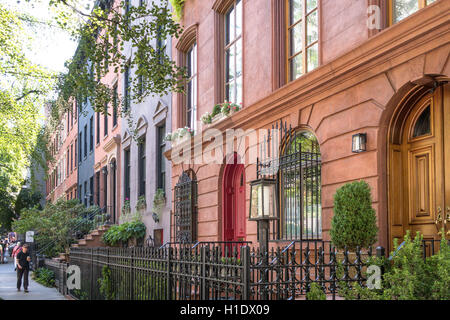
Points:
(191, 96)
(98, 127)
(233, 53)
(91, 133)
(97, 187)
(303, 37)
(127, 173)
(300, 188)
(161, 165)
(186, 207)
(85, 140)
(68, 162)
(141, 167)
(91, 190)
(126, 88)
(114, 112)
(105, 124)
(80, 153)
(400, 9)
(75, 148)
(71, 157)
(85, 193)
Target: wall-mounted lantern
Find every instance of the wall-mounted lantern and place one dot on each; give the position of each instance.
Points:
(359, 142)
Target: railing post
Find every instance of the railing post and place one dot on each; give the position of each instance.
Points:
(203, 273)
(245, 259)
(92, 274)
(132, 274)
(169, 281)
(380, 254)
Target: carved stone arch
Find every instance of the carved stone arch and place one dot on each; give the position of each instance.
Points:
(126, 139)
(141, 126)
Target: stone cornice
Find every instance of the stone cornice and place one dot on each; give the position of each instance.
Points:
(114, 142)
(393, 46)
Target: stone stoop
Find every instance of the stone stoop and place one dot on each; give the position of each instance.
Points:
(93, 239)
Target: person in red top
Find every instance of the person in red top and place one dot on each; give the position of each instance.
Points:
(16, 250)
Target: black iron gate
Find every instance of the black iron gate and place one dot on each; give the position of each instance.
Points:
(186, 207)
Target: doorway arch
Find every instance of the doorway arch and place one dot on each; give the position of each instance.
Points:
(419, 163)
(233, 201)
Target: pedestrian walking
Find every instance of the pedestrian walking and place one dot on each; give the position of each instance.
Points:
(23, 267)
(2, 251)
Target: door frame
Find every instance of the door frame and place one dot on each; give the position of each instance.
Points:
(394, 135)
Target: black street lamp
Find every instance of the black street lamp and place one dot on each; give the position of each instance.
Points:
(263, 208)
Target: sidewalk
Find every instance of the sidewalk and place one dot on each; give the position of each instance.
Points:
(8, 289)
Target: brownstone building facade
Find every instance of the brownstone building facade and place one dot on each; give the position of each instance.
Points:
(329, 70)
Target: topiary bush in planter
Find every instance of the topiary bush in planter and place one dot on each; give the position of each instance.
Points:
(354, 220)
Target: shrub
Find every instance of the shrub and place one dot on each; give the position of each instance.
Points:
(57, 225)
(315, 292)
(44, 276)
(124, 232)
(106, 287)
(354, 220)
(409, 276)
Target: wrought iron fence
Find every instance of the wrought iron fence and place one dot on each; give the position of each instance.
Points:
(214, 271)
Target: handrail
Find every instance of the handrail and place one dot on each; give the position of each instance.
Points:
(73, 229)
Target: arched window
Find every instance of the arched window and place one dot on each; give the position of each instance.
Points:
(186, 207)
(300, 187)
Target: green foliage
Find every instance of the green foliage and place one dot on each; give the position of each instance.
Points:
(44, 276)
(315, 292)
(81, 294)
(55, 222)
(177, 8)
(27, 199)
(354, 220)
(101, 52)
(123, 232)
(106, 288)
(409, 276)
(216, 110)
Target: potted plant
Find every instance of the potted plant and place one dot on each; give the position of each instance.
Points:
(141, 203)
(217, 114)
(126, 209)
(206, 118)
(159, 201)
(229, 108)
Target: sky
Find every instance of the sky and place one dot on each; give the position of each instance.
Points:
(51, 46)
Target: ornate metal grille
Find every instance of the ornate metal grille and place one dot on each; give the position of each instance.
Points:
(186, 207)
(293, 158)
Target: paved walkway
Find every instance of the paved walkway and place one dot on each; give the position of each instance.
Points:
(8, 289)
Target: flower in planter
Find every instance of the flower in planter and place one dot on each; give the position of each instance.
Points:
(168, 137)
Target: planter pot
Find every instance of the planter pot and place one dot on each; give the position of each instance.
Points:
(133, 242)
(217, 118)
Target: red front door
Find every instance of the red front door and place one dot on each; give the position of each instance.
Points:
(234, 203)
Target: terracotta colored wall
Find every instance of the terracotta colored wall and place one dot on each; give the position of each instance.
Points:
(354, 92)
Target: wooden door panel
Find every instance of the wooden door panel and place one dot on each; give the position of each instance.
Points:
(421, 189)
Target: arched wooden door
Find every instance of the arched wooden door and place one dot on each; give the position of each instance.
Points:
(419, 189)
(234, 202)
